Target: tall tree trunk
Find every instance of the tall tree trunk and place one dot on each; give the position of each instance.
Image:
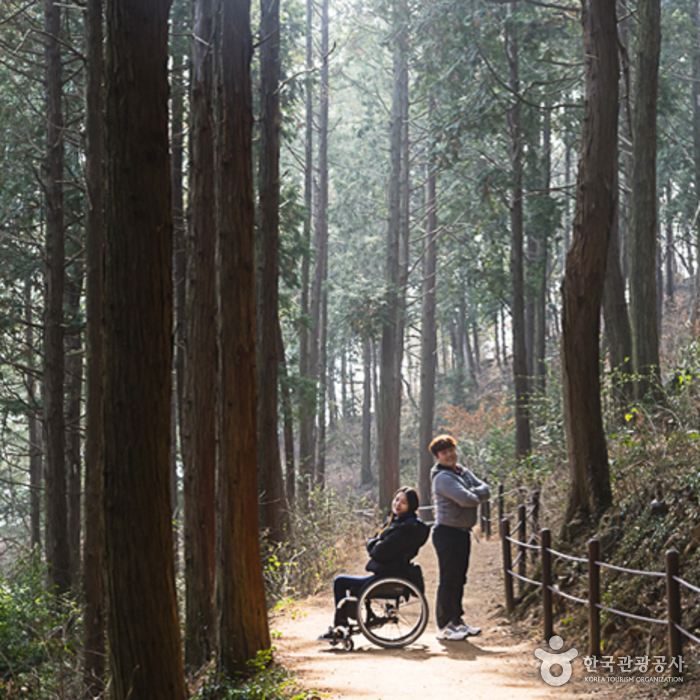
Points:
(695, 101)
(428, 352)
(375, 394)
(567, 215)
(366, 462)
(467, 346)
(540, 351)
(33, 424)
(389, 409)
(624, 201)
(504, 336)
(144, 636)
(57, 545)
(242, 627)
(670, 247)
(198, 405)
(179, 62)
(73, 398)
(332, 398)
(659, 285)
(274, 501)
(344, 407)
(323, 354)
(307, 392)
(352, 395)
(93, 545)
(617, 322)
(530, 305)
(584, 277)
(522, 412)
(497, 345)
(288, 419)
(316, 349)
(645, 334)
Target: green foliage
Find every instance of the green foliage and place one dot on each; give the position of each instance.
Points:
(37, 634)
(264, 681)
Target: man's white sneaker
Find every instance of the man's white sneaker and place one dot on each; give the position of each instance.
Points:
(451, 633)
(468, 630)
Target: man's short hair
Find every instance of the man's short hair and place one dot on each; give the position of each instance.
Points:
(442, 442)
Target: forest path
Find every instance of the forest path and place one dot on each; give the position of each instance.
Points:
(496, 665)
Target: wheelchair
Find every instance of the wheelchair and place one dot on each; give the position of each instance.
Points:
(390, 612)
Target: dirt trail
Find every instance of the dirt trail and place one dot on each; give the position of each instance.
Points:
(495, 665)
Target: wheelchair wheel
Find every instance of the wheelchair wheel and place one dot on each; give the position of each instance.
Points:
(392, 612)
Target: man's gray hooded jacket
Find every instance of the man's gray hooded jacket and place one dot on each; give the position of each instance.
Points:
(456, 496)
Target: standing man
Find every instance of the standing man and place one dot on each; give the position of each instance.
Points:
(456, 497)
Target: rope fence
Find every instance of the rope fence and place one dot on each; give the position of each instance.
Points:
(516, 569)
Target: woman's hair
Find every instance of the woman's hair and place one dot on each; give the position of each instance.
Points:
(442, 442)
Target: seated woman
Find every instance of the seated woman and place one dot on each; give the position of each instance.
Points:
(391, 551)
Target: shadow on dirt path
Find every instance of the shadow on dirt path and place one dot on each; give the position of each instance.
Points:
(495, 665)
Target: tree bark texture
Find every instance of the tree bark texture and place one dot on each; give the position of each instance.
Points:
(428, 354)
(366, 461)
(144, 637)
(626, 73)
(522, 412)
(540, 371)
(316, 375)
(33, 424)
(274, 502)
(287, 418)
(643, 224)
(57, 544)
(93, 548)
(584, 278)
(320, 473)
(695, 94)
(178, 66)
(199, 404)
(670, 247)
(389, 409)
(73, 406)
(307, 391)
(242, 627)
(617, 322)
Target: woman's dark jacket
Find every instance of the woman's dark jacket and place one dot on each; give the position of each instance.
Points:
(393, 548)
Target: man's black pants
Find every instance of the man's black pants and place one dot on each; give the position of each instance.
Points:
(452, 546)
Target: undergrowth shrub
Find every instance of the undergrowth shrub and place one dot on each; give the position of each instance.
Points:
(263, 681)
(37, 635)
(319, 533)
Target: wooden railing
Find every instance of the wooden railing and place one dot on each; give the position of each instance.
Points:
(544, 550)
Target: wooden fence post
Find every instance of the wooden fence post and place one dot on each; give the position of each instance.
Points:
(673, 591)
(522, 550)
(535, 518)
(546, 542)
(593, 598)
(507, 578)
(488, 519)
(501, 498)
